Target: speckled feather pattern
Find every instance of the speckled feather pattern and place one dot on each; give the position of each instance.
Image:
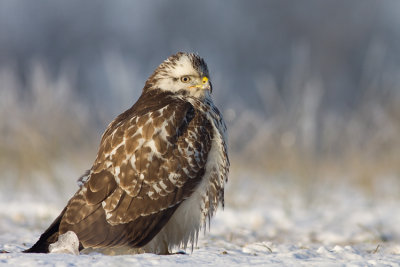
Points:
(160, 161)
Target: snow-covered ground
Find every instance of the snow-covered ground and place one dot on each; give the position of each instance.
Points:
(273, 221)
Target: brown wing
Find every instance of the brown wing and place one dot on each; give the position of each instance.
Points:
(150, 160)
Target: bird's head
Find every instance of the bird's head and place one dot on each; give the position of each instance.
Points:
(183, 73)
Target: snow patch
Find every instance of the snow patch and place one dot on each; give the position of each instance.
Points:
(267, 221)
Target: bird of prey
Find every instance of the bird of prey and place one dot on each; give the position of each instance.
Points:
(160, 171)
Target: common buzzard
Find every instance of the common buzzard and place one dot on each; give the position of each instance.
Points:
(160, 170)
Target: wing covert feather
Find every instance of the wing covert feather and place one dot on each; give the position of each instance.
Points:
(151, 158)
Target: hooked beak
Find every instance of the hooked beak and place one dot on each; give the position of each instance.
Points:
(205, 84)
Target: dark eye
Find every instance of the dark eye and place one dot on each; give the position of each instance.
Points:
(185, 79)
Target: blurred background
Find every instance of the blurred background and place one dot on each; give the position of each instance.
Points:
(310, 90)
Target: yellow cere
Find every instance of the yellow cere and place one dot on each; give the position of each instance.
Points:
(204, 80)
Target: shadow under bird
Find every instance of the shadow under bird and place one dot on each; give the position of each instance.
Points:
(160, 170)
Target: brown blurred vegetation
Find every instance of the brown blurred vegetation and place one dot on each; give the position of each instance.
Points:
(49, 136)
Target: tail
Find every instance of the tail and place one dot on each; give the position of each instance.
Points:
(48, 237)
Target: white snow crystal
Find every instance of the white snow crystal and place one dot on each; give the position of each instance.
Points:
(67, 243)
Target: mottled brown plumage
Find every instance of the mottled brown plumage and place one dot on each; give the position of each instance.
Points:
(160, 169)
